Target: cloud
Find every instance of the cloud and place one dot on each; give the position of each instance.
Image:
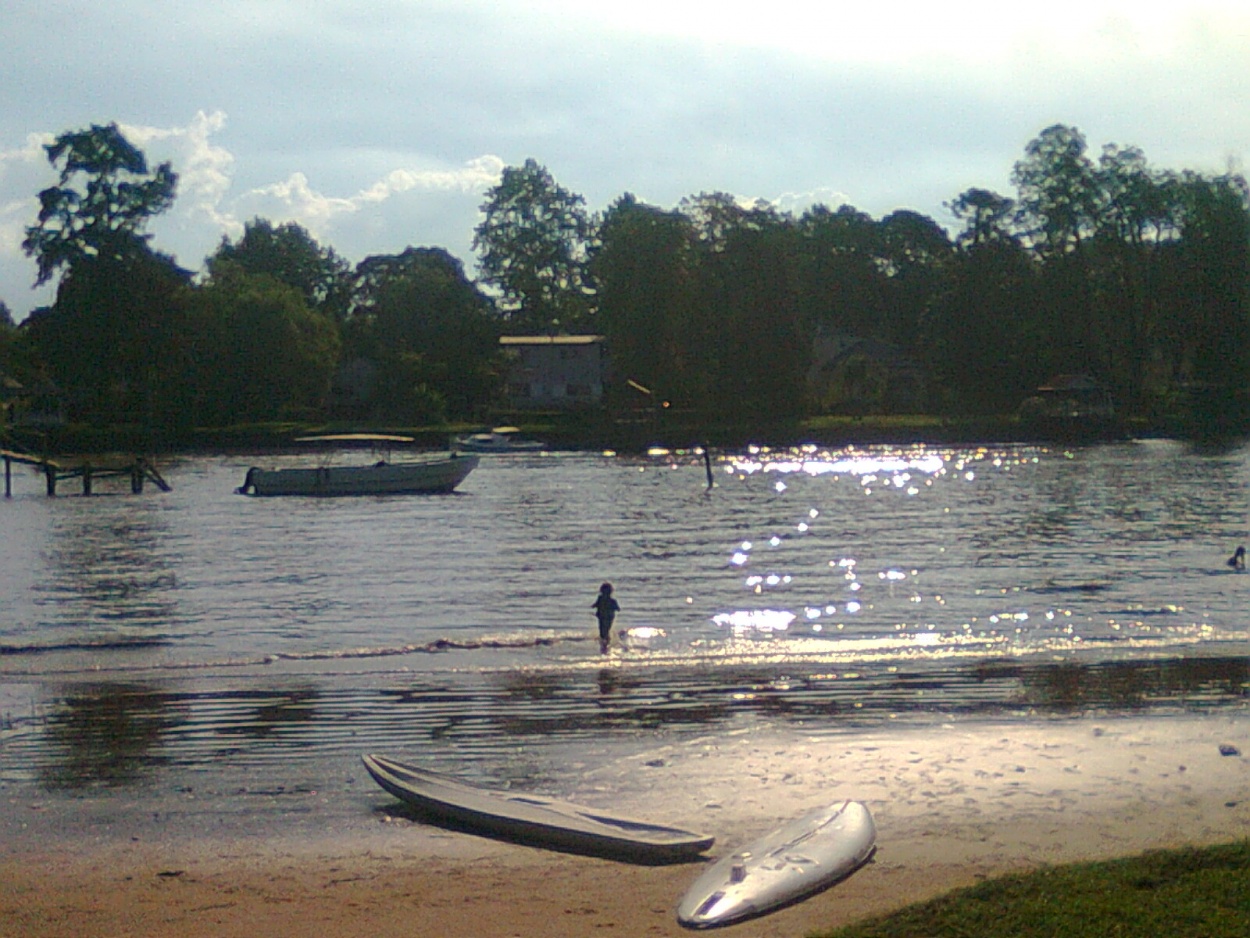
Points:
(797, 203)
(204, 168)
(295, 199)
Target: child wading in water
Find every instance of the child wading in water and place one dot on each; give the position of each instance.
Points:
(605, 608)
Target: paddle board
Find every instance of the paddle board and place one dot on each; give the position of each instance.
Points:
(533, 819)
(793, 862)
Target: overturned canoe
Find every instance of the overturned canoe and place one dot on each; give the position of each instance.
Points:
(533, 819)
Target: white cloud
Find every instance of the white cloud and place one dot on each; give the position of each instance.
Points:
(295, 199)
(799, 202)
(204, 169)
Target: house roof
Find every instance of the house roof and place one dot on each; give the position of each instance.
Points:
(549, 339)
(1071, 383)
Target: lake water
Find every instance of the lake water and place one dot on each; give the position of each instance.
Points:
(151, 642)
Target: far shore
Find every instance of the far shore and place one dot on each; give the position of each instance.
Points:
(595, 432)
(954, 804)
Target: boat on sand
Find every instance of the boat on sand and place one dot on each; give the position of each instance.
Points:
(532, 819)
(795, 861)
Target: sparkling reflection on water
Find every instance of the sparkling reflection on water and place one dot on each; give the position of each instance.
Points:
(171, 633)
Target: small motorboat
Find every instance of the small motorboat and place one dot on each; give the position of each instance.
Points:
(498, 440)
(411, 476)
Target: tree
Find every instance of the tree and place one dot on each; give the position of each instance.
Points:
(532, 245)
(105, 196)
(112, 339)
(759, 350)
(986, 216)
(1058, 210)
(1058, 190)
(843, 289)
(645, 270)
(115, 340)
(260, 353)
(426, 324)
(914, 254)
(290, 254)
(1215, 257)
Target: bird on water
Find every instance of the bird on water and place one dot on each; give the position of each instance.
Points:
(1238, 560)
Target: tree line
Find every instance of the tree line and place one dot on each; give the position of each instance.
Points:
(1105, 266)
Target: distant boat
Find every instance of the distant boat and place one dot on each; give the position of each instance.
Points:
(498, 440)
(427, 475)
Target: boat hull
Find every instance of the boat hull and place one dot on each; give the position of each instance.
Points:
(533, 819)
(497, 443)
(400, 478)
(793, 862)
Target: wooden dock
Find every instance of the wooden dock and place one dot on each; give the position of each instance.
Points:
(136, 467)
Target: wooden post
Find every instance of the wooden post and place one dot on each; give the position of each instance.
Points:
(8, 477)
(86, 479)
(136, 478)
(49, 473)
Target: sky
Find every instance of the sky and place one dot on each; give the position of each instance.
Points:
(381, 124)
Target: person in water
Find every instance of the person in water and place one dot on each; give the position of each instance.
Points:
(1238, 560)
(605, 608)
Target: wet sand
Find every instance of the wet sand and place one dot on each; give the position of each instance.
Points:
(953, 804)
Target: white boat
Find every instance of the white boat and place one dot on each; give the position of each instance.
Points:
(533, 819)
(498, 440)
(404, 477)
(793, 862)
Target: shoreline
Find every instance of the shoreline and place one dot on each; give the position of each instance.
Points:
(953, 804)
(583, 433)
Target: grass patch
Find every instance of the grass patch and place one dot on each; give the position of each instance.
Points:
(1188, 893)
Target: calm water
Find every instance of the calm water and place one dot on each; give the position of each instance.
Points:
(148, 640)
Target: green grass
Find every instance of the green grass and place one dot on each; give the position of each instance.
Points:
(1188, 893)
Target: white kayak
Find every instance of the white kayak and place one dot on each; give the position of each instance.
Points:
(533, 819)
(793, 862)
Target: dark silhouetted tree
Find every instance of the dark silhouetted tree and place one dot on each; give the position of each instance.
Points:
(103, 200)
(288, 253)
(532, 245)
(433, 333)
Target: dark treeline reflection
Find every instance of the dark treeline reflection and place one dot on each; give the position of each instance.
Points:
(1102, 265)
(115, 734)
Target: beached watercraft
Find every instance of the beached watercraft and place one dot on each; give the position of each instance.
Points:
(408, 476)
(791, 863)
(533, 819)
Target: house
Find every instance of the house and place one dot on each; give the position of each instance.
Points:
(554, 371)
(354, 385)
(1070, 397)
(40, 406)
(857, 375)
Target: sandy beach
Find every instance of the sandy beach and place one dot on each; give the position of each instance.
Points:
(953, 804)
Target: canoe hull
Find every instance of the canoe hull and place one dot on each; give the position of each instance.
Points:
(793, 862)
(400, 478)
(533, 819)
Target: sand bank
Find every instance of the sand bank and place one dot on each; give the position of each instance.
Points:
(953, 804)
